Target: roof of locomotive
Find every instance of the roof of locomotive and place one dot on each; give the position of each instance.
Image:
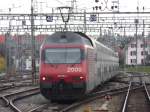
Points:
(68, 38)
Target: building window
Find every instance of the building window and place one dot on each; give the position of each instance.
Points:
(143, 45)
(133, 61)
(133, 53)
(142, 61)
(133, 45)
(144, 53)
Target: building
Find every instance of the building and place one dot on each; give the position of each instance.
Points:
(137, 52)
(18, 50)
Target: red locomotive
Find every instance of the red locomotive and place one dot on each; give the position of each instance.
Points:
(72, 64)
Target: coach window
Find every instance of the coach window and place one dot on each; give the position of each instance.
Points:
(102, 68)
(109, 68)
(99, 71)
(105, 69)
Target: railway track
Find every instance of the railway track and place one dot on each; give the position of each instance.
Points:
(137, 100)
(100, 95)
(6, 88)
(58, 107)
(63, 107)
(22, 108)
(96, 96)
(19, 106)
(19, 102)
(18, 79)
(34, 107)
(6, 104)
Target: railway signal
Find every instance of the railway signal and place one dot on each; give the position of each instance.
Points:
(49, 18)
(93, 17)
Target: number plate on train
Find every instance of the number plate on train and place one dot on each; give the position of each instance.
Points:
(72, 69)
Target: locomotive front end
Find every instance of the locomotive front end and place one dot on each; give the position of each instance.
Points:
(63, 72)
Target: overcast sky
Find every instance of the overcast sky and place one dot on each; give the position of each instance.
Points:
(23, 6)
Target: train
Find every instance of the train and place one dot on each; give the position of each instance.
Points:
(73, 64)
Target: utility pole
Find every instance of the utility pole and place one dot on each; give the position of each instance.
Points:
(84, 21)
(6, 55)
(136, 23)
(7, 47)
(100, 32)
(125, 58)
(143, 34)
(33, 44)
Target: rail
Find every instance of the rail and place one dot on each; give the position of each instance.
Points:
(126, 101)
(146, 91)
(127, 97)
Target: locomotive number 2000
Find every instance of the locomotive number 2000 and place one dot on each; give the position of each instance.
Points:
(71, 69)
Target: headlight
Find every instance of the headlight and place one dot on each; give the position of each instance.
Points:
(46, 78)
(81, 77)
(43, 78)
(78, 78)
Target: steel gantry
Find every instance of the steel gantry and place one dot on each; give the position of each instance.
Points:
(85, 22)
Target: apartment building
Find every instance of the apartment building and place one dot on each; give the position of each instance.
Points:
(135, 52)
